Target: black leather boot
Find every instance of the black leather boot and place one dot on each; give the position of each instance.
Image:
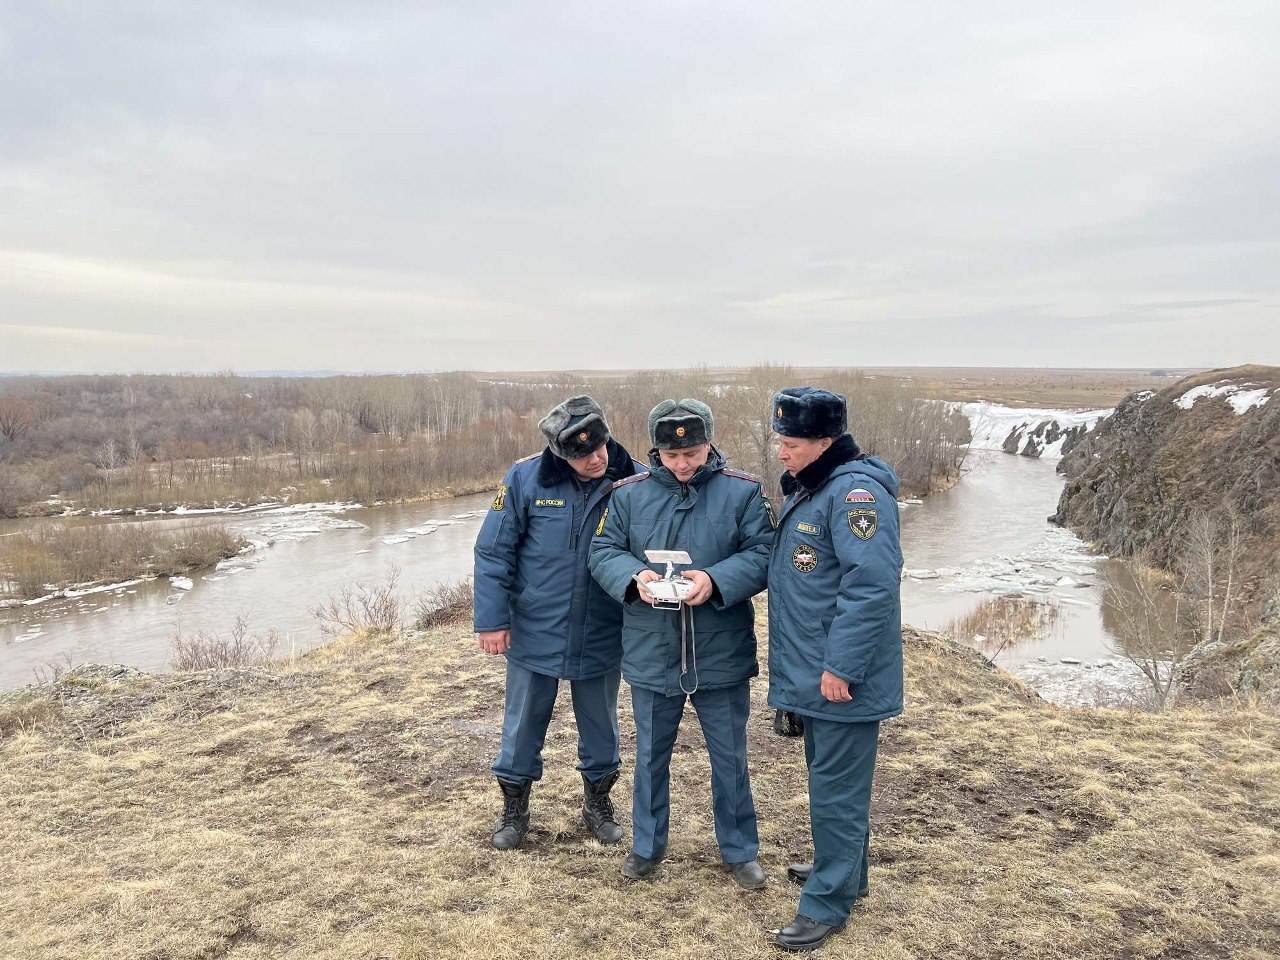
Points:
(510, 828)
(636, 867)
(597, 808)
(803, 934)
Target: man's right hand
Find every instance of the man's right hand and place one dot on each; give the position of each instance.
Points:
(643, 577)
(495, 642)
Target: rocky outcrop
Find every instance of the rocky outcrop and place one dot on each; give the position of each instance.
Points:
(1033, 440)
(1028, 432)
(1203, 444)
(1249, 668)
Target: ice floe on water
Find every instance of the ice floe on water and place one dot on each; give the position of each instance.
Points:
(1105, 682)
(1055, 568)
(301, 521)
(181, 583)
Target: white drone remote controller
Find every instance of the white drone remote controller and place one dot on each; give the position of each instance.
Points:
(669, 591)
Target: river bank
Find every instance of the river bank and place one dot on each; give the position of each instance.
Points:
(987, 536)
(338, 805)
(57, 508)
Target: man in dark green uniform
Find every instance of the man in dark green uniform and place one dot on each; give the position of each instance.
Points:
(835, 640)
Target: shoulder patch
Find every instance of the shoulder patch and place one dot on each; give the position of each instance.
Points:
(532, 456)
(500, 501)
(864, 523)
(740, 475)
(860, 495)
(634, 478)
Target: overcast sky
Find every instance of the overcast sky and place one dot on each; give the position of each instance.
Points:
(392, 186)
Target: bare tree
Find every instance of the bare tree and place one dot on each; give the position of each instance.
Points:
(1147, 621)
(1199, 552)
(17, 417)
(1232, 529)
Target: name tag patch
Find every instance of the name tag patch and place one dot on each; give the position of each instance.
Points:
(811, 528)
(548, 503)
(859, 495)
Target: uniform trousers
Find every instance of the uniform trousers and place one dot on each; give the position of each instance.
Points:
(841, 758)
(531, 699)
(722, 713)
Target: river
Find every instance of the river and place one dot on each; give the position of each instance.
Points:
(986, 537)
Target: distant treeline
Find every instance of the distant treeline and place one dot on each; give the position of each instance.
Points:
(163, 441)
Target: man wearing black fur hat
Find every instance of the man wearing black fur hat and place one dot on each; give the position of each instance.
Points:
(704, 652)
(835, 640)
(536, 602)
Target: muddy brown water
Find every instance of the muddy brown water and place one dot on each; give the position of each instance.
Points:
(985, 537)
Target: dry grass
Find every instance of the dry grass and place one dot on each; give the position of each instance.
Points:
(340, 808)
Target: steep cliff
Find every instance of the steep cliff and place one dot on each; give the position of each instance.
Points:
(1208, 443)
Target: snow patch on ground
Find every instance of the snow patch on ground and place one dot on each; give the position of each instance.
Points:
(1241, 398)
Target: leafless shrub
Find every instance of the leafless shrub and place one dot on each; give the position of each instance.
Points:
(51, 671)
(1149, 623)
(208, 651)
(443, 603)
(363, 607)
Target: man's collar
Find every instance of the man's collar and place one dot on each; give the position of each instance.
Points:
(843, 450)
(553, 470)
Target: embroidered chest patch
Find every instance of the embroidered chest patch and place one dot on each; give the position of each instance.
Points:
(811, 528)
(548, 503)
(500, 500)
(864, 523)
(859, 495)
(804, 558)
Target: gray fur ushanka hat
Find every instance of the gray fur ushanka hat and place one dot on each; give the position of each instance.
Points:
(809, 413)
(674, 426)
(575, 428)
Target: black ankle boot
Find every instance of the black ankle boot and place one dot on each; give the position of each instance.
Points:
(510, 828)
(597, 808)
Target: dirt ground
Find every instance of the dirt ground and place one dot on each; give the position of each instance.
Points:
(339, 806)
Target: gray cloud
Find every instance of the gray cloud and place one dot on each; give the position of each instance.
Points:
(505, 185)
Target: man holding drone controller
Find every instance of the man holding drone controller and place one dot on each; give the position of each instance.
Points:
(692, 637)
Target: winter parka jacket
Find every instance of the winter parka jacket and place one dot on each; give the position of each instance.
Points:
(835, 588)
(719, 517)
(531, 568)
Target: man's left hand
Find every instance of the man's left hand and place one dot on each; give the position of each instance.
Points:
(703, 586)
(834, 688)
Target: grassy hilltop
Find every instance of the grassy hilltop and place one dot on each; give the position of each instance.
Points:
(339, 807)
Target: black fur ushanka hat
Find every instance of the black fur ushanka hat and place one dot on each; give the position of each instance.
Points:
(809, 413)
